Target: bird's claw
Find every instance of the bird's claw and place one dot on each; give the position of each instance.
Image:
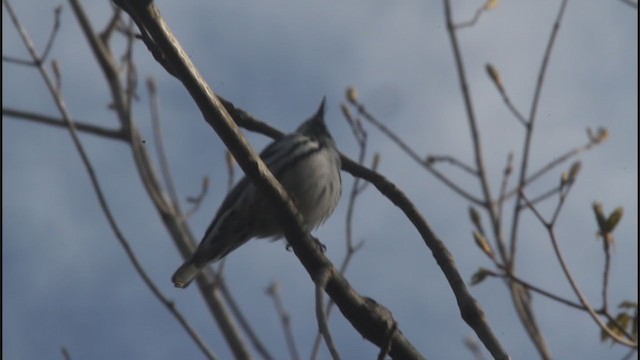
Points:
(322, 247)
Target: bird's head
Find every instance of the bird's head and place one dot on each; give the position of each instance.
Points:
(315, 126)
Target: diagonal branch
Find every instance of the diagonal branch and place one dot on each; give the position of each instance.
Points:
(469, 308)
(367, 318)
(175, 225)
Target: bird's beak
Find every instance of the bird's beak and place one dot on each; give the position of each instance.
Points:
(321, 109)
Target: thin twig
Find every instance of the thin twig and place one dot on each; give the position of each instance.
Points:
(494, 75)
(552, 164)
(177, 227)
(475, 17)
(524, 161)
(65, 353)
(413, 155)
(131, 71)
(521, 303)
(285, 320)
(545, 195)
(57, 122)
(323, 328)
(537, 289)
(105, 35)
(506, 174)
(196, 201)
(473, 127)
(473, 347)
(605, 274)
(452, 160)
(54, 31)
(360, 135)
(165, 168)
(555, 297)
(242, 320)
(228, 157)
(62, 108)
(549, 226)
(14, 60)
(513, 109)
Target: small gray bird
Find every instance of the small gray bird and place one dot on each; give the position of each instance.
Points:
(307, 164)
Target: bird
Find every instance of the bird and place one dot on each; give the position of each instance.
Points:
(307, 164)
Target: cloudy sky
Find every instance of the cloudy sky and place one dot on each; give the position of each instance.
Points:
(67, 282)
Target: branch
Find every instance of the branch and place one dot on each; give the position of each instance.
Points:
(176, 226)
(413, 155)
(469, 308)
(285, 320)
(473, 126)
(594, 140)
(159, 143)
(363, 316)
(524, 162)
(235, 309)
(57, 122)
(322, 320)
(549, 226)
(360, 135)
(521, 302)
(64, 112)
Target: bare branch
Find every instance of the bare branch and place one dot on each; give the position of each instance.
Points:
(495, 77)
(57, 122)
(486, 6)
(520, 299)
(554, 297)
(163, 44)
(62, 108)
(54, 31)
(549, 226)
(230, 169)
(105, 35)
(473, 347)
(176, 226)
(65, 353)
(506, 173)
(524, 162)
(413, 155)
(274, 292)
(196, 201)
(473, 127)
(452, 160)
(159, 143)
(322, 319)
(605, 273)
(244, 323)
(554, 163)
(469, 308)
(14, 60)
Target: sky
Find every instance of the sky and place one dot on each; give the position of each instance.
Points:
(67, 283)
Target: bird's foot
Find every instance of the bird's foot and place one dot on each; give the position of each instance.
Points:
(322, 247)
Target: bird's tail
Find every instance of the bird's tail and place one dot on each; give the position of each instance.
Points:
(185, 274)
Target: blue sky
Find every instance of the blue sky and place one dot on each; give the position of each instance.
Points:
(67, 282)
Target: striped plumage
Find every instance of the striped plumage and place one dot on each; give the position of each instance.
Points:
(307, 164)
